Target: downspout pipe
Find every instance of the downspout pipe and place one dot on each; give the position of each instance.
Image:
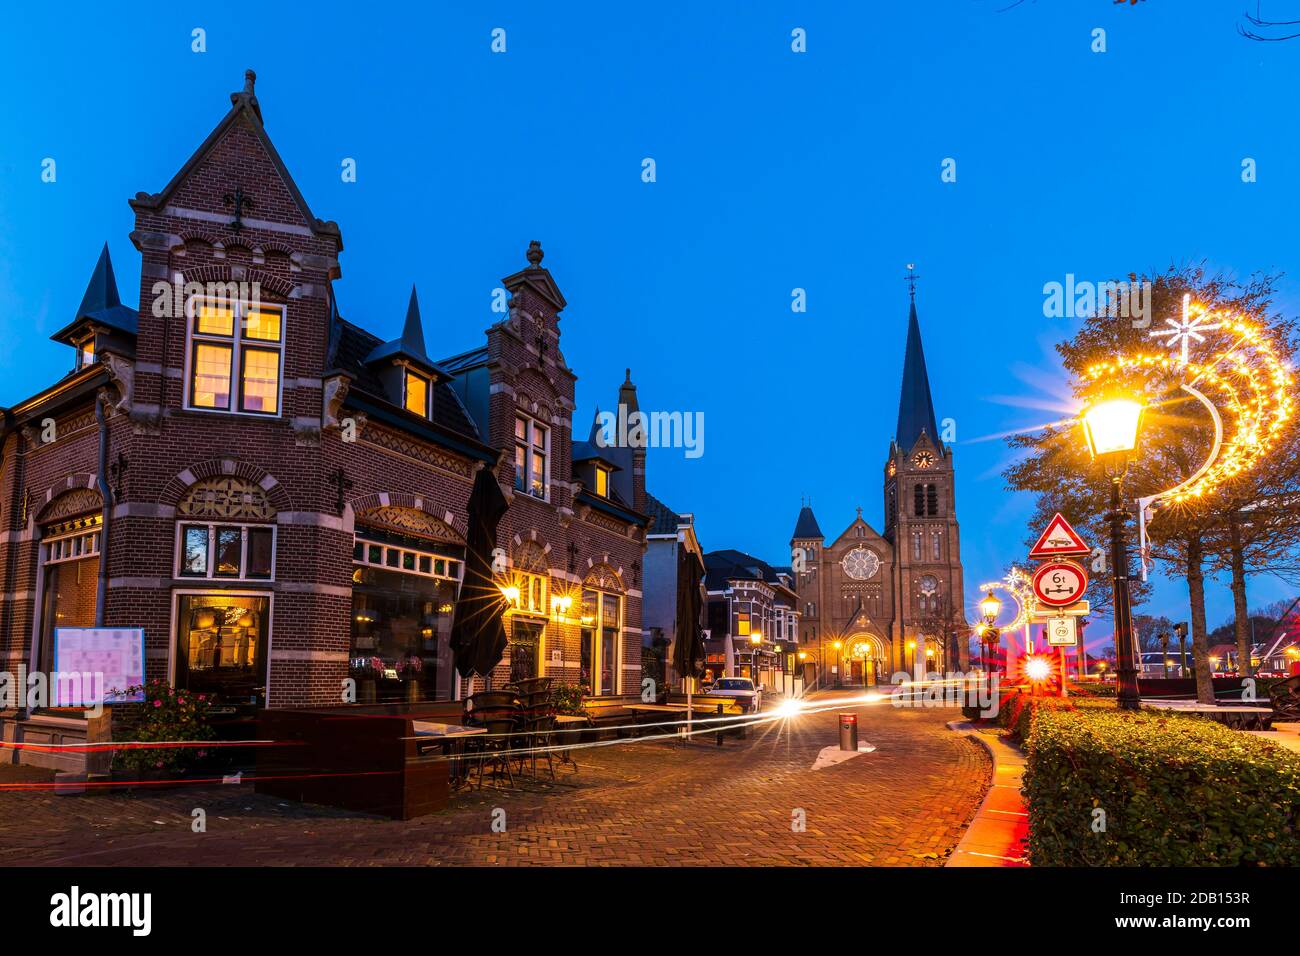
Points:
(106, 497)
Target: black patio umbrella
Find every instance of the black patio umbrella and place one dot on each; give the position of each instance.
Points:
(688, 648)
(478, 635)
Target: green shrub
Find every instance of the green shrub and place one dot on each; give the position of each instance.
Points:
(167, 715)
(1175, 791)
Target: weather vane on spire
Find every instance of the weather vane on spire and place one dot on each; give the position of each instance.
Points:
(911, 280)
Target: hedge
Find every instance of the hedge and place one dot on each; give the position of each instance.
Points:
(1174, 790)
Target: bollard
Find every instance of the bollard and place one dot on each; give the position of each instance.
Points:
(849, 732)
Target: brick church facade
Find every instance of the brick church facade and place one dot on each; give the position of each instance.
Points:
(892, 599)
(277, 496)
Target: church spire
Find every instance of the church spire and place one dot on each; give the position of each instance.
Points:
(915, 407)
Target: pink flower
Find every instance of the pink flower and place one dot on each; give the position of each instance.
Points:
(203, 753)
(202, 697)
(157, 703)
(158, 765)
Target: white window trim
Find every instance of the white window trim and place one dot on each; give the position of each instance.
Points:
(236, 342)
(597, 629)
(95, 533)
(365, 562)
(527, 441)
(211, 575)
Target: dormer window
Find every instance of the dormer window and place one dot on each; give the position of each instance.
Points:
(86, 352)
(416, 394)
(602, 481)
(235, 356)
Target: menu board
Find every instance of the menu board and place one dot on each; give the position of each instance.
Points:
(97, 664)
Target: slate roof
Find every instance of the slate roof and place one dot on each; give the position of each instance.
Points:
(915, 407)
(101, 304)
(352, 346)
(806, 526)
(721, 566)
(664, 519)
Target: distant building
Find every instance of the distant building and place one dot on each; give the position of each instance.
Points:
(894, 600)
(753, 616)
(670, 534)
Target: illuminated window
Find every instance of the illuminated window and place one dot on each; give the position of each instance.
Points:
(417, 394)
(532, 455)
(599, 651)
(86, 352)
(602, 481)
(234, 552)
(532, 592)
(742, 621)
(236, 355)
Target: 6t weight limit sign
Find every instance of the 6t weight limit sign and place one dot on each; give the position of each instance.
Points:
(1059, 584)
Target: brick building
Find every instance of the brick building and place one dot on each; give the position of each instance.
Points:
(277, 496)
(753, 618)
(893, 600)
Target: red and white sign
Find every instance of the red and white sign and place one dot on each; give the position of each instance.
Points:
(1059, 583)
(1058, 540)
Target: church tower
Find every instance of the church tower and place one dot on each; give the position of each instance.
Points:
(921, 523)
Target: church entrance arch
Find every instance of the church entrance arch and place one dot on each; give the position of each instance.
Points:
(865, 655)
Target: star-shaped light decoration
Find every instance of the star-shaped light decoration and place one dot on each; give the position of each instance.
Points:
(1189, 327)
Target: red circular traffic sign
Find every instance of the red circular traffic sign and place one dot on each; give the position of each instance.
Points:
(1058, 584)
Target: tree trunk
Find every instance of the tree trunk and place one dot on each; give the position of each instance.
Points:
(1200, 640)
(1241, 624)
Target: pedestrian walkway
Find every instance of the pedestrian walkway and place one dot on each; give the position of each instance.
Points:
(997, 834)
(1284, 734)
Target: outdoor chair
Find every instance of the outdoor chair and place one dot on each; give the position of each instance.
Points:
(499, 712)
(538, 725)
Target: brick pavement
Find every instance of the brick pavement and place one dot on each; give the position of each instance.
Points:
(634, 803)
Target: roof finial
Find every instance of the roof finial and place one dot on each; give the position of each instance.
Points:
(535, 254)
(911, 280)
(249, 79)
(627, 376)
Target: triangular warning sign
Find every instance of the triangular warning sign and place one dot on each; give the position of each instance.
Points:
(1058, 540)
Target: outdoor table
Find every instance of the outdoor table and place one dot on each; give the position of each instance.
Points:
(711, 710)
(453, 735)
(571, 720)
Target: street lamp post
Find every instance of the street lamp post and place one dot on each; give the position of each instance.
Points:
(990, 606)
(1164, 650)
(838, 676)
(1181, 630)
(1111, 428)
(755, 642)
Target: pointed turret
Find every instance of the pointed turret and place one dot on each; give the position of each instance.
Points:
(100, 306)
(806, 527)
(410, 345)
(915, 407)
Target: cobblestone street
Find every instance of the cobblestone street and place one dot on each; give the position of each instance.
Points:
(632, 803)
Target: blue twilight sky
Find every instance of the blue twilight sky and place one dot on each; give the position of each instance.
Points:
(775, 170)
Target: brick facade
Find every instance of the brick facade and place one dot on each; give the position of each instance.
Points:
(339, 448)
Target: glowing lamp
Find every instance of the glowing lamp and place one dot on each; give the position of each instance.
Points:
(511, 594)
(1111, 426)
(837, 645)
(990, 607)
(911, 645)
(756, 638)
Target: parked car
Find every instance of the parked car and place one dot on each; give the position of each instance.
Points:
(747, 695)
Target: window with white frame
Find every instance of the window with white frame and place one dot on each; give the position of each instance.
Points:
(406, 560)
(235, 356)
(226, 552)
(532, 457)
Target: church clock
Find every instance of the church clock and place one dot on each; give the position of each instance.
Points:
(923, 459)
(861, 564)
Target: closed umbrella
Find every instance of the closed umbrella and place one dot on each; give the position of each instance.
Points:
(688, 648)
(478, 634)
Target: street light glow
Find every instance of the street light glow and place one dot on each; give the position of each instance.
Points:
(1112, 426)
